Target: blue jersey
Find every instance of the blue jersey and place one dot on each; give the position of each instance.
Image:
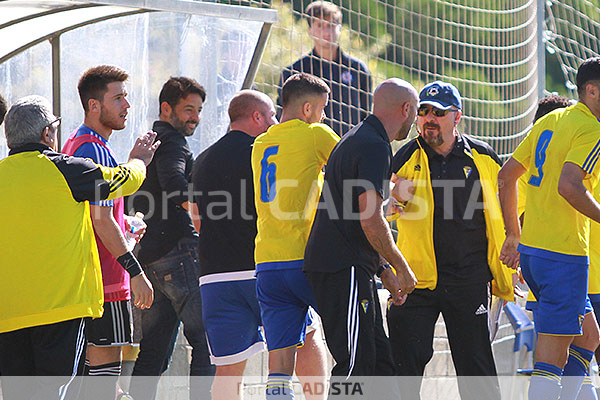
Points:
(102, 155)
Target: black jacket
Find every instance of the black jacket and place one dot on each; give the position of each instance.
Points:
(162, 194)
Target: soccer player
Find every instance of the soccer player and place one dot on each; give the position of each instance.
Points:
(559, 156)
(103, 96)
(227, 270)
(588, 391)
(348, 77)
(287, 161)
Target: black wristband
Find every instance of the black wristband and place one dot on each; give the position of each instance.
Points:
(130, 263)
(381, 269)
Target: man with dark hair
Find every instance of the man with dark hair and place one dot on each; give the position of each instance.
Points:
(588, 391)
(103, 94)
(3, 108)
(287, 161)
(50, 276)
(351, 217)
(550, 103)
(560, 157)
(168, 250)
(348, 77)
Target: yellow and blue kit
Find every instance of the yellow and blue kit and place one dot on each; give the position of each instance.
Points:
(555, 239)
(594, 268)
(565, 135)
(287, 164)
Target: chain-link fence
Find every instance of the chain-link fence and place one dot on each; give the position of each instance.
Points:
(488, 49)
(572, 28)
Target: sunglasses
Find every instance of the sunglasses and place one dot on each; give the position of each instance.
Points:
(424, 110)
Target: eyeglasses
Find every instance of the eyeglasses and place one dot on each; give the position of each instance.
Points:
(52, 123)
(424, 110)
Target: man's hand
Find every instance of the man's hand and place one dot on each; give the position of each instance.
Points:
(144, 147)
(406, 278)
(401, 189)
(390, 282)
(143, 294)
(393, 210)
(509, 254)
(139, 233)
(378, 233)
(516, 278)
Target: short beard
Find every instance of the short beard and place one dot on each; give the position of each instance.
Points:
(179, 125)
(431, 140)
(434, 141)
(109, 122)
(404, 130)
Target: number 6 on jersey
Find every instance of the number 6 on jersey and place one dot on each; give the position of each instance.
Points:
(267, 175)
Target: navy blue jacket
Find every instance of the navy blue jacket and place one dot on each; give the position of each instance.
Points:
(350, 82)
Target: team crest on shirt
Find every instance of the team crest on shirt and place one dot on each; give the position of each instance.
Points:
(417, 167)
(347, 77)
(365, 305)
(467, 170)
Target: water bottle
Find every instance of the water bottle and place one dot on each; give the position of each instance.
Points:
(135, 224)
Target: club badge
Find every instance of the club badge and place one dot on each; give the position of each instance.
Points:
(347, 77)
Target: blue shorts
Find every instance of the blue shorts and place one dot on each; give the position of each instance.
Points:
(231, 317)
(284, 297)
(561, 292)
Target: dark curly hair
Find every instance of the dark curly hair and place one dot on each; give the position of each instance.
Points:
(550, 103)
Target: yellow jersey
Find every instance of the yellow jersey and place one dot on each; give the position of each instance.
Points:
(594, 272)
(287, 164)
(552, 227)
(50, 268)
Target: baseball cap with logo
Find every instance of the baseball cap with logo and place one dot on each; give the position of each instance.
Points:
(441, 95)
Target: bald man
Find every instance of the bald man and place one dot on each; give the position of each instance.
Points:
(226, 253)
(351, 215)
(226, 244)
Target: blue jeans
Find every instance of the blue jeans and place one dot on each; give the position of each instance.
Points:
(176, 298)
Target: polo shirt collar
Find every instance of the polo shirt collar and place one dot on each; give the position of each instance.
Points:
(376, 123)
(239, 133)
(30, 147)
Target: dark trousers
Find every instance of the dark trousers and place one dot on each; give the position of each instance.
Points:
(348, 304)
(176, 298)
(465, 311)
(52, 356)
